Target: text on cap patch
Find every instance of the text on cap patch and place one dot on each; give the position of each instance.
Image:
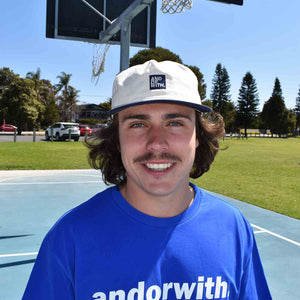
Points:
(157, 82)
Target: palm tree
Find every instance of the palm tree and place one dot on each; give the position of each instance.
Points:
(64, 80)
(68, 105)
(36, 77)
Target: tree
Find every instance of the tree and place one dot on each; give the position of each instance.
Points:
(68, 107)
(274, 113)
(35, 77)
(297, 109)
(106, 105)
(201, 83)
(162, 54)
(6, 78)
(220, 96)
(50, 113)
(246, 110)
(64, 80)
(21, 102)
(67, 99)
(291, 121)
(158, 53)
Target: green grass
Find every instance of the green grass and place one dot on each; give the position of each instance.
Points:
(43, 156)
(263, 172)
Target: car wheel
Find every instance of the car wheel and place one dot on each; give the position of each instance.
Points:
(76, 139)
(57, 136)
(47, 136)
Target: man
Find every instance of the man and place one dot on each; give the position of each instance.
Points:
(153, 235)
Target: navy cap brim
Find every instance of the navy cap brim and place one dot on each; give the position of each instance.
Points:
(198, 107)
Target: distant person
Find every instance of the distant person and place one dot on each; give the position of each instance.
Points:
(152, 235)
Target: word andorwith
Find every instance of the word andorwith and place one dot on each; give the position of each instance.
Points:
(209, 289)
(157, 82)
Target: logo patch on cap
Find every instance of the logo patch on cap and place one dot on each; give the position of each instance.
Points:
(157, 82)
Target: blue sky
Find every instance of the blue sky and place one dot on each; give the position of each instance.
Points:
(261, 37)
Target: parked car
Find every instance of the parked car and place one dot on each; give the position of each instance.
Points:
(61, 131)
(8, 127)
(84, 129)
(98, 126)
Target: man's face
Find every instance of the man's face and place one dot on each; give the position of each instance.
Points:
(157, 145)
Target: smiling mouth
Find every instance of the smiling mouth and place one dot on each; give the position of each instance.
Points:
(159, 167)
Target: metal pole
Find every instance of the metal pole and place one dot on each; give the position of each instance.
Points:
(15, 135)
(97, 11)
(125, 43)
(51, 135)
(33, 135)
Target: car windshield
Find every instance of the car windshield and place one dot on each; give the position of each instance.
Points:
(69, 125)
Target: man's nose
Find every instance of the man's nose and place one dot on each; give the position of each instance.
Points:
(157, 139)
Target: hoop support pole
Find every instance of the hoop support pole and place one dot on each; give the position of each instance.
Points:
(129, 13)
(96, 11)
(125, 43)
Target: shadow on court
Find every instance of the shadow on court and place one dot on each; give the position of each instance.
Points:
(31, 201)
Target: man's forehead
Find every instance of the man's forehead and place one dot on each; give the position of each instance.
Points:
(164, 110)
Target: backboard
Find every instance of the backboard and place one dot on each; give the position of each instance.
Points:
(74, 20)
(237, 2)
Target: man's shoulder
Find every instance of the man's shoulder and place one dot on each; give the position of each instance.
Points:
(216, 208)
(87, 212)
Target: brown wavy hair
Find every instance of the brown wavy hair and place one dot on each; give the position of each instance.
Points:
(105, 155)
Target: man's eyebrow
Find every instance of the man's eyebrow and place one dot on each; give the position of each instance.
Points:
(176, 116)
(135, 117)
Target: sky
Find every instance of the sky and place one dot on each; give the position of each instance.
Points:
(261, 37)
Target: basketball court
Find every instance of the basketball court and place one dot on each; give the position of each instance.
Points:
(31, 202)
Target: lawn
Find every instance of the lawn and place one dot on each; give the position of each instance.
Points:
(263, 172)
(43, 156)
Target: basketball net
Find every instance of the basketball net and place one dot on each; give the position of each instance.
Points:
(175, 6)
(100, 51)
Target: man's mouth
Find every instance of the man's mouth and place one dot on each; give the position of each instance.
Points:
(158, 167)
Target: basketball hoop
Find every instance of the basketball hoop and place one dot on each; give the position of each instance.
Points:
(98, 63)
(175, 6)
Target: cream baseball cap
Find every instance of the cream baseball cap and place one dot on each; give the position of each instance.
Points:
(156, 82)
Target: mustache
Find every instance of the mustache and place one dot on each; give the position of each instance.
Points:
(162, 156)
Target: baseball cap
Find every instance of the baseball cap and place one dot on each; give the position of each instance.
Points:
(156, 82)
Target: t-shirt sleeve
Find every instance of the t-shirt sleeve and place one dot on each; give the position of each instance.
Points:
(254, 285)
(53, 272)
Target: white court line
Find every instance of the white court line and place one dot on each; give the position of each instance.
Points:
(258, 231)
(17, 174)
(18, 254)
(47, 182)
(277, 235)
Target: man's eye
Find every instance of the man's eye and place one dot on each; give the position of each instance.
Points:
(175, 123)
(137, 125)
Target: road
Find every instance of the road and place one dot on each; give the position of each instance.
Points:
(7, 137)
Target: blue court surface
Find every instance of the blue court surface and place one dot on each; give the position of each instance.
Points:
(31, 201)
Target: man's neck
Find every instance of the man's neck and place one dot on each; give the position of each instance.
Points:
(162, 206)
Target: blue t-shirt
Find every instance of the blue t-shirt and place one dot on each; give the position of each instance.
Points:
(106, 249)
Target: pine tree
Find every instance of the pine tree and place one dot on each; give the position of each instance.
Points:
(247, 102)
(275, 114)
(220, 95)
(297, 109)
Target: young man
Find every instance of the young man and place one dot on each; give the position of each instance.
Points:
(153, 235)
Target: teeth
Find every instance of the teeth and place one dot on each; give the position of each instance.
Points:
(159, 167)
